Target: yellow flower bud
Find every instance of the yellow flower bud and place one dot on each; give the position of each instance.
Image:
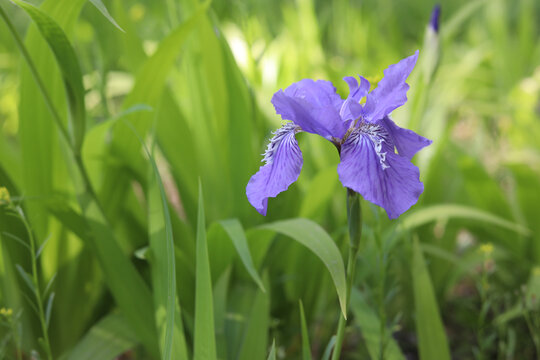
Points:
(486, 249)
(4, 196)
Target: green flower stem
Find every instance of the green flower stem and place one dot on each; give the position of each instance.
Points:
(35, 280)
(354, 217)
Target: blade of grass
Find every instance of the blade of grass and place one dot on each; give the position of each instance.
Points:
(306, 348)
(204, 338)
(162, 261)
(436, 212)
(272, 354)
(312, 236)
(236, 233)
(429, 327)
(329, 348)
(102, 9)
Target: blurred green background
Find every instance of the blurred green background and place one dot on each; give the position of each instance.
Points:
(457, 276)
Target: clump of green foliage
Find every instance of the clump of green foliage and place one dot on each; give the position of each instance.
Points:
(116, 117)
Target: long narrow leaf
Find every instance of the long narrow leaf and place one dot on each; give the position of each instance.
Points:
(312, 236)
(436, 212)
(272, 354)
(306, 348)
(238, 237)
(102, 9)
(431, 336)
(68, 64)
(204, 338)
(163, 266)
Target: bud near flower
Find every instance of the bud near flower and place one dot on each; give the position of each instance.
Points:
(6, 312)
(4, 196)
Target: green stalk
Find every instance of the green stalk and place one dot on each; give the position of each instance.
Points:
(354, 218)
(37, 292)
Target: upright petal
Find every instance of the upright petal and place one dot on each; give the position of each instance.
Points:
(370, 167)
(283, 164)
(391, 91)
(351, 109)
(312, 105)
(407, 142)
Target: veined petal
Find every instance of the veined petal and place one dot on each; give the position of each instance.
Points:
(370, 167)
(407, 142)
(313, 105)
(283, 164)
(391, 91)
(351, 109)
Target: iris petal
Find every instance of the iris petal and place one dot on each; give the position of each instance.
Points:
(351, 109)
(407, 142)
(283, 164)
(391, 92)
(370, 167)
(312, 105)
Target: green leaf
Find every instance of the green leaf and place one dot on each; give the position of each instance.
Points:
(126, 285)
(204, 339)
(107, 339)
(312, 236)
(48, 309)
(329, 348)
(437, 212)
(306, 348)
(236, 233)
(26, 277)
(429, 327)
(255, 339)
(272, 354)
(68, 64)
(370, 326)
(163, 267)
(221, 293)
(102, 9)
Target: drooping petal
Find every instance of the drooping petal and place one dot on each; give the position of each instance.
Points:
(370, 167)
(391, 91)
(351, 109)
(407, 142)
(313, 105)
(283, 164)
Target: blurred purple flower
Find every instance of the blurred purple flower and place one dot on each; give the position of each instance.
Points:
(364, 134)
(435, 15)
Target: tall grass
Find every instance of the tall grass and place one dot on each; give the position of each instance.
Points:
(128, 131)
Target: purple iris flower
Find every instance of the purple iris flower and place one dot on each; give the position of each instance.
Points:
(364, 134)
